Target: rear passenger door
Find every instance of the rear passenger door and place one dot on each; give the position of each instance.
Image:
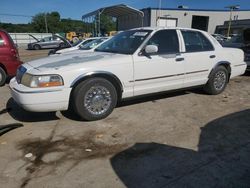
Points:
(199, 56)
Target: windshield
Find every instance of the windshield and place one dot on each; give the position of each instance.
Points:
(125, 42)
(91, 44)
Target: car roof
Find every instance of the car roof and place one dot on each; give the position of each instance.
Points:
(160, 28)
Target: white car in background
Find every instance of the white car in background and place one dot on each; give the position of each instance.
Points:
(135, 62)
(87, 45)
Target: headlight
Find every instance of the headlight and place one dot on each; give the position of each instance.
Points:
(41, 81)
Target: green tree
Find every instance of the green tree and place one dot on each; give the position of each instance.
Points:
(38, 23)
(107, 24)
(52, 19)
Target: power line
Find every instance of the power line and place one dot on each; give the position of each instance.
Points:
(16, 15)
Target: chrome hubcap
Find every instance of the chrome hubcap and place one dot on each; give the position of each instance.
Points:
(97, 100)
(1, 77)
(220, 80)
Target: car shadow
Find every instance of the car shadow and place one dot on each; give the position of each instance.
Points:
(222, 159)
(247, 73)
(19, 114)
(151, 97)
(70, 114)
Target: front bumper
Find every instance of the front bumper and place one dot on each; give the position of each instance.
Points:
(40, 100)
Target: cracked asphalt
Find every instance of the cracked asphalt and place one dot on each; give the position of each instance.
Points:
(181, 139)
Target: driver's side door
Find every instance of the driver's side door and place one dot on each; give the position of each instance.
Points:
(163, 70)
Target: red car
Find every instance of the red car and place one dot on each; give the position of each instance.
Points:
(9, 57)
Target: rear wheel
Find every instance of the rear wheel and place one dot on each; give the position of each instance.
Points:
(3, 77)
(217, 81)
(94, 99)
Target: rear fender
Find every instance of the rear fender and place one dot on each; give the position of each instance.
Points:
(226, 64)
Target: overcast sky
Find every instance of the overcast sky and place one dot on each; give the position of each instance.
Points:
(74, 9)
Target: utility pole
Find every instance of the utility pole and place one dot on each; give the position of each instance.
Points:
(232, 8)
(46, 24)
(158, 13)
(99, 24)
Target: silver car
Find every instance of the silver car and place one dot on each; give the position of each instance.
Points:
(54, 41)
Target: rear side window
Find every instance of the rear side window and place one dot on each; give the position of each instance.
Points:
(166, 40)
(196, 42)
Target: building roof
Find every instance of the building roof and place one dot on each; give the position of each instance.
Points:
(115, 11)
(201, 10)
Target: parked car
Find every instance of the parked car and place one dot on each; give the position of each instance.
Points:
(55, 41)
(220, 38)
(74, 46)
(86, 45)
(135, 62)
(9, 57)
(242, 42)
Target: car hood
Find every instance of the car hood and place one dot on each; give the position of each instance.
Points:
(34, 37)
(72, 59)
(74, 50)
(63, 39)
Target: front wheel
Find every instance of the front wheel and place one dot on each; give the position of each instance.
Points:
(94, 99)
(217, 81)
(37, 47)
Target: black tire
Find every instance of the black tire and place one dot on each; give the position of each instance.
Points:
(217, 82)
(3, 77)
(84, 99)
(51, 52)
(37, 47)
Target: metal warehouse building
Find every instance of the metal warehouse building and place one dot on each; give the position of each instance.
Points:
(207, 20)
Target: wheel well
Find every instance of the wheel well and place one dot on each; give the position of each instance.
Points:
(3, 67)
(36, 45)
(110, 77)
(224, 64)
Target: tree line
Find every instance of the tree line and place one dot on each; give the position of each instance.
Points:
(52, 22)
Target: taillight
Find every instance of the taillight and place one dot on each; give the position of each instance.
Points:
(14, 52)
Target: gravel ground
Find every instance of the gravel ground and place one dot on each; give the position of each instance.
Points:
(182, 139)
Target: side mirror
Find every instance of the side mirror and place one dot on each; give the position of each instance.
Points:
(151, 49)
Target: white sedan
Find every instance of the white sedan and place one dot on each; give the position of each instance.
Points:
(86, 45)
(135, 62)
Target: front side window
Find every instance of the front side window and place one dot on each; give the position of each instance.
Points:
(166, 41)
(46, 39)
(126, 42)
(196, 42)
